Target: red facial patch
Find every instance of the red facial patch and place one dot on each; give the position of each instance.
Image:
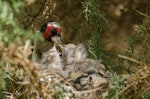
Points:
(58, 30)
(47, 32)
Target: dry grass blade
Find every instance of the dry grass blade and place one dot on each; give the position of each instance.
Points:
(131, 59)
(137, 83)
(102, 88)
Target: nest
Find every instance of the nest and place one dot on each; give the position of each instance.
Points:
(29, 81)
(84, 76)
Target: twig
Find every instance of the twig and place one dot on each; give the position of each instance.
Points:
(89, 91)
(143, 92)
(131, 59)
(139, 12)
(9, 95)
(23, 83)
(26, 47)
(5, 92)
(133, 82)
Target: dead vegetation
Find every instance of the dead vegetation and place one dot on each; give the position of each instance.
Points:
(27, 81)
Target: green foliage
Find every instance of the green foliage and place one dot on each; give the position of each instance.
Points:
(116, 84)
(59, 95)
(142, 37)
(132, 41)
(11, 32)
(145, 26)
(94, 16)
(140, 30)
(2, 81)
(93, 26)
(95, 48)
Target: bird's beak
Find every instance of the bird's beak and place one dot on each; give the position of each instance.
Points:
(57, 42)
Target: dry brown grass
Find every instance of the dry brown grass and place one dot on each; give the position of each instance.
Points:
(138, 83)
(28, 81)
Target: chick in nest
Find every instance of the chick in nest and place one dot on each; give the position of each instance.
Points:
(73, 53)
(52, 60)
(87, 74)
(84, 73)
(89, 81)
(75, 59)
